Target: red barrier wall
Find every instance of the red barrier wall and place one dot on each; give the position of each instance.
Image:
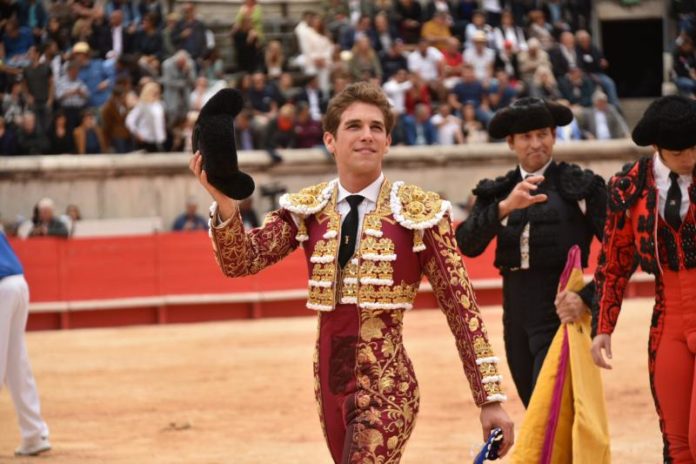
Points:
(117, 270)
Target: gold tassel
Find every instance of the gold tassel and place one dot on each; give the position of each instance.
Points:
(418, 244)
(302, 230)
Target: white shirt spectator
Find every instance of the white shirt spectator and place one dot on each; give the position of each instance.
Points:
(146, 121)
(65, 86)
(426, 66)
(446, 128)
(117, 40)
(396, 91)
(482, 62)
(514, 35)
(603, 132)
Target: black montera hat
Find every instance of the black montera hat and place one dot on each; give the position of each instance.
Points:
(213, 135)
(669, 122)
(527, 114)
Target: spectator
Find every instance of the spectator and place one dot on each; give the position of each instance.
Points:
(244, 135)
(32, 15)
(30, 140)
(147, 120)
(364, 63)
(427, 62)
(434, 6)
(15, 44)
(603, 121)
(577, 88)
(116, 135)
(285, 89)
(453, 62)
(393, 59)
(506, 60)
(60, 139)
(121, 34)
(314, 97)
(480, 57)
(251, 11)
(96, 75)
(97, 34)
(476, 27)
(247, 45)
(569, 132)
(564, 55)
(448, 126)
(492, 8)
(317, 52)
(148, 40)
(89, 139)
(274, 59)
(38, 89)
(72, 95)
(47, 224)
(594, 64)
(531, 59)
(168, 44)
(57, 33)
(200, 94)
(262, 100)
(543, 84)
(212, 67)
(396, 89)
(408, 15)
(8, 139)
(281, 130)
(501, 92)
(437, 30)
(178, 79)
(130, 16)
(510, 33)
(539, 29)
(363, 28)
(13, 105)
(384, 35)
(52, 56)
(472, 128)
(71, 217)
(684, 66)
(418, 94)
(472, 90)
(419, 129)
(190, 219)
(189, 34)
(308, 131)
(151, 8)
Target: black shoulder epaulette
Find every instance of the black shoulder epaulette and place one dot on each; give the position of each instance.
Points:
(626, 186)
(489, 188)
(576, 183)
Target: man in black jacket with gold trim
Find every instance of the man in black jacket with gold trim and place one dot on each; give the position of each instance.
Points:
(537, 212)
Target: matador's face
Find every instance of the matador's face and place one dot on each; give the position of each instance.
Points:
(533, 148)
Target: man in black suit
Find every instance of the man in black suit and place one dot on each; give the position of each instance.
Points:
(537, 212)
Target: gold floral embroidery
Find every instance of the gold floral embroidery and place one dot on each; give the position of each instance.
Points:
(241, 253)
(309, 197)
(376, 269)
(417, 205)
(376, 246)
(451, 286)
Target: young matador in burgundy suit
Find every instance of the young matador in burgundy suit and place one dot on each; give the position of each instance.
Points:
(651, 219)
(368, 242)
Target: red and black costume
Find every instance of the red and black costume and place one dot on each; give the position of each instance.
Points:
(636, 232)
(365, 385)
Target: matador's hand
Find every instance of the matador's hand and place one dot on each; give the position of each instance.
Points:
(522, 196)
(493, 415)
(227, 207)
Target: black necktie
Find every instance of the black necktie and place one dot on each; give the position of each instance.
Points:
(349, 230)
(674, 199)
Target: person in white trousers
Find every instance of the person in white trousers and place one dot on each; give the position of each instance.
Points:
(15, 370)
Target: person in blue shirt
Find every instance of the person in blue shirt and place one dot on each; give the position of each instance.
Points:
(190, 220)
(14, 361)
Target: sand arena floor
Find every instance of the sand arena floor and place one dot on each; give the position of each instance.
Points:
(242, 393)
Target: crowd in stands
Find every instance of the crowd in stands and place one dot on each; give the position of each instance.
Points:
(83, 77)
